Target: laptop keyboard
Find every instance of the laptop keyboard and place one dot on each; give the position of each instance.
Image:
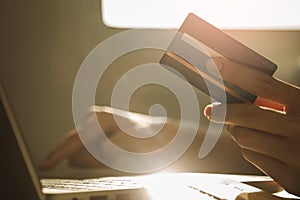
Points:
(90, 184)
(204, 195)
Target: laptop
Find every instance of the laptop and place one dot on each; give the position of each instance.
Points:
(94, 189)
(142, 187)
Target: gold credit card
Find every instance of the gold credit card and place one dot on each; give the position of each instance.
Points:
(198, 41)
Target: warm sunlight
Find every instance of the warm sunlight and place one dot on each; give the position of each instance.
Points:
(195, 186)
(231, 14)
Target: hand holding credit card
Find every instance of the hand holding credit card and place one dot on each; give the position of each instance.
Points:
(196, 44)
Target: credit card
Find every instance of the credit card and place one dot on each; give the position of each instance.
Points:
(196, 42)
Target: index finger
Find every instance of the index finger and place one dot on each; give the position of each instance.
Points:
(68, 147)
(258, 83)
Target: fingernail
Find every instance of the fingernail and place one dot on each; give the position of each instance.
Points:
(208, 108)
(214, 66)
(229, 127)
(207, 111)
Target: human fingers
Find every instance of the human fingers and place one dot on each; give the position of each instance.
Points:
(279, 147)
(257, 195)
(66, 148)
(258, 141)
(288, 177)
(250, 116)
(257, 83)
(83, 159)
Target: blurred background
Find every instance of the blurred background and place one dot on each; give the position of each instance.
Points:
(43, 44)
